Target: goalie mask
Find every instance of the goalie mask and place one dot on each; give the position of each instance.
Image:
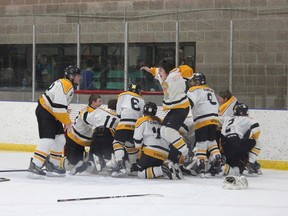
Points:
(70, 72)
(198, 79)
(150, 109)
(133, 87)
(241, 110)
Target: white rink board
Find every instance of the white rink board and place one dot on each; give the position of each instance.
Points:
(19, 126)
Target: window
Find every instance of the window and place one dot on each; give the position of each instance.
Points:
(107, 69)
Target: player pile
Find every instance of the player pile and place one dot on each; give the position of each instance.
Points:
(196, 137)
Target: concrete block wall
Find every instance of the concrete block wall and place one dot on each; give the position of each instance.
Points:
(260, 30)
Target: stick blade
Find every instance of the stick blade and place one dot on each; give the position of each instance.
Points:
(156, 195)
(2, 179)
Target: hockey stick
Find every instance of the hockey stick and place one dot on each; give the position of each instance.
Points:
(107, 197)
(19, 170)
(4, 179)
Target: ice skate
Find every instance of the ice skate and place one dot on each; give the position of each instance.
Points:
(168, 170)
(35, 172)
(119, 170)
(54, 171)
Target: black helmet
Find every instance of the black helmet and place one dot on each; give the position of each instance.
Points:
(150, 109)
(199, 78)
(241, 110)
(134, 87)
(71, 71)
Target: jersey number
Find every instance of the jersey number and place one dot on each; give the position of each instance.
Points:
(109, 121)
(209, 97)
(228, 129)
(134, 104)
(157, 132)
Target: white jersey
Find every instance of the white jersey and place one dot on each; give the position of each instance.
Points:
(147, 138)
(88, 119)
(57, 98)
(205, 109)
(227, 108)
(82, 131)
(174, 88)
(130, 108)
(239, 125)
(103, 117)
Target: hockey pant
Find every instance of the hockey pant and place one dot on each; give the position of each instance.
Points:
(123, 142)
(236, 151)
(171, 125)
(206, 142)
(74, 151)
(149, 167)
(101, 144)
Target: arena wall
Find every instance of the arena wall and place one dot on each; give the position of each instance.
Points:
(19, 131)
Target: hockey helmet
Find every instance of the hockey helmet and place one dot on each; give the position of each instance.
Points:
(241, 110)
(134, 87)
(150, 109)
(71, 71)
(199, 78)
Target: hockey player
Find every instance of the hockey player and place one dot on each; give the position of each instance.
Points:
(105, 121)
(51, 113)
(81, 136)
(205, 113)
(228, 102)
(175, 101)
(240, 137)
(130, 108)
(154, 150)
(185, 71)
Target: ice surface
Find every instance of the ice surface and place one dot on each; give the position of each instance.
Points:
(192, 196)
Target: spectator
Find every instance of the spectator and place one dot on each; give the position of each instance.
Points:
(7, 77)
(27, 77)
(181, 55)
(105, 66)
(87, 76)
(189, 61)
(43, 72)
